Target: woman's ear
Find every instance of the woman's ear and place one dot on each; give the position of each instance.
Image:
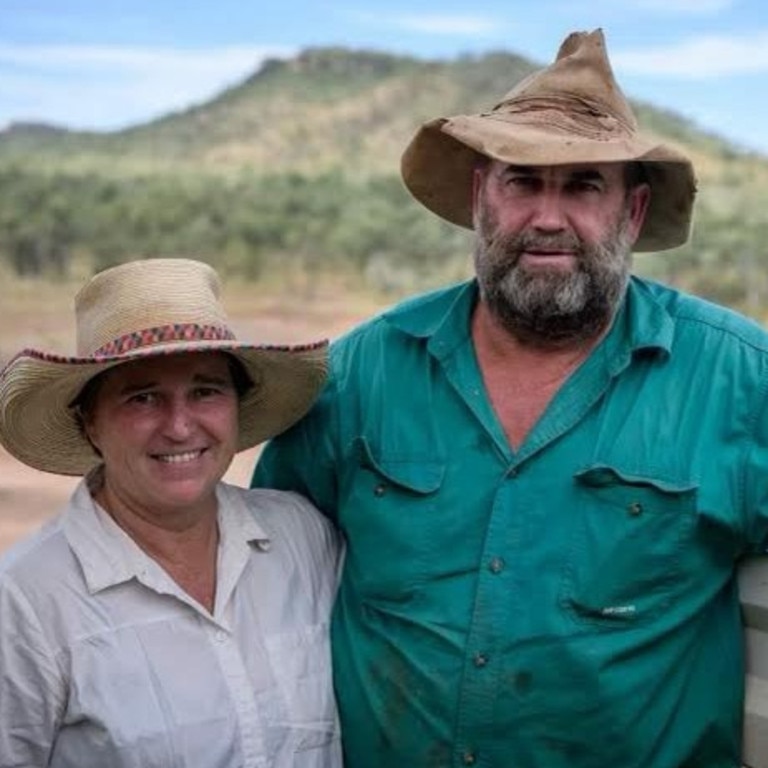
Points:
(85, 421)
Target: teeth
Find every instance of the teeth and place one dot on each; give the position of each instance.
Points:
(179, 458)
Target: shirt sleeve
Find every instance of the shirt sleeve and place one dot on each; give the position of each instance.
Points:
(303, 459)
(755, 477)
(32, 688)
(324, 553)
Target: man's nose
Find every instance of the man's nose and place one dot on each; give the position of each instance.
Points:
(549, 213)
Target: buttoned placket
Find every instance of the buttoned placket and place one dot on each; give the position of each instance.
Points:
(480, 678)
(233, 557)
(498, 592)
(218, 629)
(495, 597)
(241, 690)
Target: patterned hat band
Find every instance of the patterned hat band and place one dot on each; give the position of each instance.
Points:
(182, 332)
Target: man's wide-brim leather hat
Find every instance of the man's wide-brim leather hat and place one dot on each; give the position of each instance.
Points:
(572, 111)
(137, 311)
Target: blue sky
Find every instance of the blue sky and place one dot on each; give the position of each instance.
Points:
(103, 64)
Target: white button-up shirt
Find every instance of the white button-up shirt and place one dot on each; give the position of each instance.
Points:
(106, 663)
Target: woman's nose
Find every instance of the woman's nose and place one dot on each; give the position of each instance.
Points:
(178, 422)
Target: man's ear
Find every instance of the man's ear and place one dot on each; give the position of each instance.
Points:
(478, 179)
(639, 199)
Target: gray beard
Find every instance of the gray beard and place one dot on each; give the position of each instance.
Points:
(552, 308)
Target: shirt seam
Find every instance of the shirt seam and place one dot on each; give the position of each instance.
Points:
(51, 652)
(753, 426)
(732, 333)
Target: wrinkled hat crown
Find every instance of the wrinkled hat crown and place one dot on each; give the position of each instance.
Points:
(582, 74)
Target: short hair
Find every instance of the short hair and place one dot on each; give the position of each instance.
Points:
(634, 174)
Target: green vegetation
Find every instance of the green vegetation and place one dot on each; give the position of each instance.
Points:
(245, 226)
(296, 169)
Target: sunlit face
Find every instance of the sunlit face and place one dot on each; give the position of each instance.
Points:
(167, 429)
(553, 248)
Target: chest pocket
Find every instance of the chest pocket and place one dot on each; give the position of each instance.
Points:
(305, 717)
(391, 518)
(628, 545)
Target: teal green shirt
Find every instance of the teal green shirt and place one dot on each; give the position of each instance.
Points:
(568, 605)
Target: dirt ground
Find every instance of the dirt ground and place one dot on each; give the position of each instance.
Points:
(41, 316)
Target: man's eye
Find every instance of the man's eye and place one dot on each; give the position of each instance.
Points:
(585, 186)
(143, 398)
(522, 182)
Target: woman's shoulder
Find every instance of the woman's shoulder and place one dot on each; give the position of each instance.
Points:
(39, 574)
(39, 553)
(291, 529)
(286, 516)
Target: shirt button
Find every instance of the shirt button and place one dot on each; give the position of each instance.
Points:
(480, 660)
(635, 508)
(468, 758)
(221, 636)
(496, 565)
(514, 472)
(380, 490)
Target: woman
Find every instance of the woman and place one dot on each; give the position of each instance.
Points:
(164, 618)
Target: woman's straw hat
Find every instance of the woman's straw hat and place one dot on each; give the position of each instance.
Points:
(570, 112)
(137, 310)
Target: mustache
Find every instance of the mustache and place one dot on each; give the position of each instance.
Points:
(531, 241)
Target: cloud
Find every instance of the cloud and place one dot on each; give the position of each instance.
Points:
(431, 24)
(138, 60)
(698, 58)
(438, 24)
(699, 7)
(112, 87)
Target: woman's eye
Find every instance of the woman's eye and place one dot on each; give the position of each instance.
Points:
(205, 392)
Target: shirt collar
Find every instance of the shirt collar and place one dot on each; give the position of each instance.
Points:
(443, 317)
(109, 556)
(642, 325)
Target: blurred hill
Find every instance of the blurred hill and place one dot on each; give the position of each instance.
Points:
(323, 110)
(297, 169)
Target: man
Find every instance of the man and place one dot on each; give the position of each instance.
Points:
(546, 475)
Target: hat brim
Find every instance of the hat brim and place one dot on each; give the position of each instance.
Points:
(439, 163)
(38, 426)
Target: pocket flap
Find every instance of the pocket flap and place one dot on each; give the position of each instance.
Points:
(603, 476)
(414, 473)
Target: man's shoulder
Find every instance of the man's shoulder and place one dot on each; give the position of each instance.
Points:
(417, 316)
(438, 299)
(693, 314)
